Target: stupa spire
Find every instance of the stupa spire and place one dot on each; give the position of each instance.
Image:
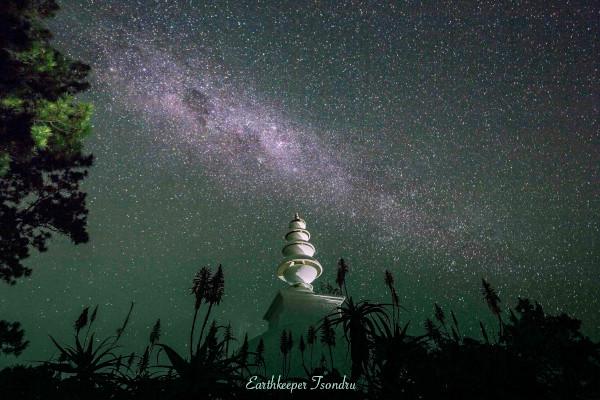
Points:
(299, 268)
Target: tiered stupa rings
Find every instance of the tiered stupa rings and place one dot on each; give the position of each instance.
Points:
(299, 267)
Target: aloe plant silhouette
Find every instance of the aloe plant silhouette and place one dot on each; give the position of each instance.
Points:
(209, 366)
(85, 362)
(200, 286)
(284, 349)
(536, 356)
(259, 355)
(328, 337)
(342, 271)
(311, 339)
(493, 301)
(389, 282)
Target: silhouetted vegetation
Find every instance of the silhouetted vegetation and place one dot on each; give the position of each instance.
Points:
(41, 131)
(12, 338)
(529, 355)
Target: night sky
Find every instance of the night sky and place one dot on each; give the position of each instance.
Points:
(444, 142)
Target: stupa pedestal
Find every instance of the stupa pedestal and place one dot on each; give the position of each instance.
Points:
(297, 307)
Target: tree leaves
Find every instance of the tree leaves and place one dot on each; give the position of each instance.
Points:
(41, 133)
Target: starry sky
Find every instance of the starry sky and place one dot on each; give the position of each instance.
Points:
(445, 142)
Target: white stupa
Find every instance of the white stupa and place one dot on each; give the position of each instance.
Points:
(297, 306)
(299, 268)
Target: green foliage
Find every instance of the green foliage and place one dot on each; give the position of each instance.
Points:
(12, 102)
(4, 163)
(63, 121)
(40, 135)
(42, 128)
(40, 57)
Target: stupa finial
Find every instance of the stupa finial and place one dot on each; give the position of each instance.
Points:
(299, 268)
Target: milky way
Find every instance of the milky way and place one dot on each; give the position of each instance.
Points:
(451, 178)
(245, 141)
(219, 123)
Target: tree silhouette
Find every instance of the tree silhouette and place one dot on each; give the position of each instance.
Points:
(12, 338)
(41, 132)
(564, 359)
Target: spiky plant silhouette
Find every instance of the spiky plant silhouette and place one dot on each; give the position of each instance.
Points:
(328, 338)
(456, 334)
(133, 373)
(284, 349)
(493, 301)
(393, 352)
(228, 337)
(536, 356)
(290, 345)
(433, 332)
(200, 286)
(243, 355)
(440, 334)
(214, 294)
(144, 360)
(302, 349)
(389, 282)
(208, 367)
(360, 322)
(259, 356)
(311, 339)
(440, 316)
(340, 279)
(85, 361)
